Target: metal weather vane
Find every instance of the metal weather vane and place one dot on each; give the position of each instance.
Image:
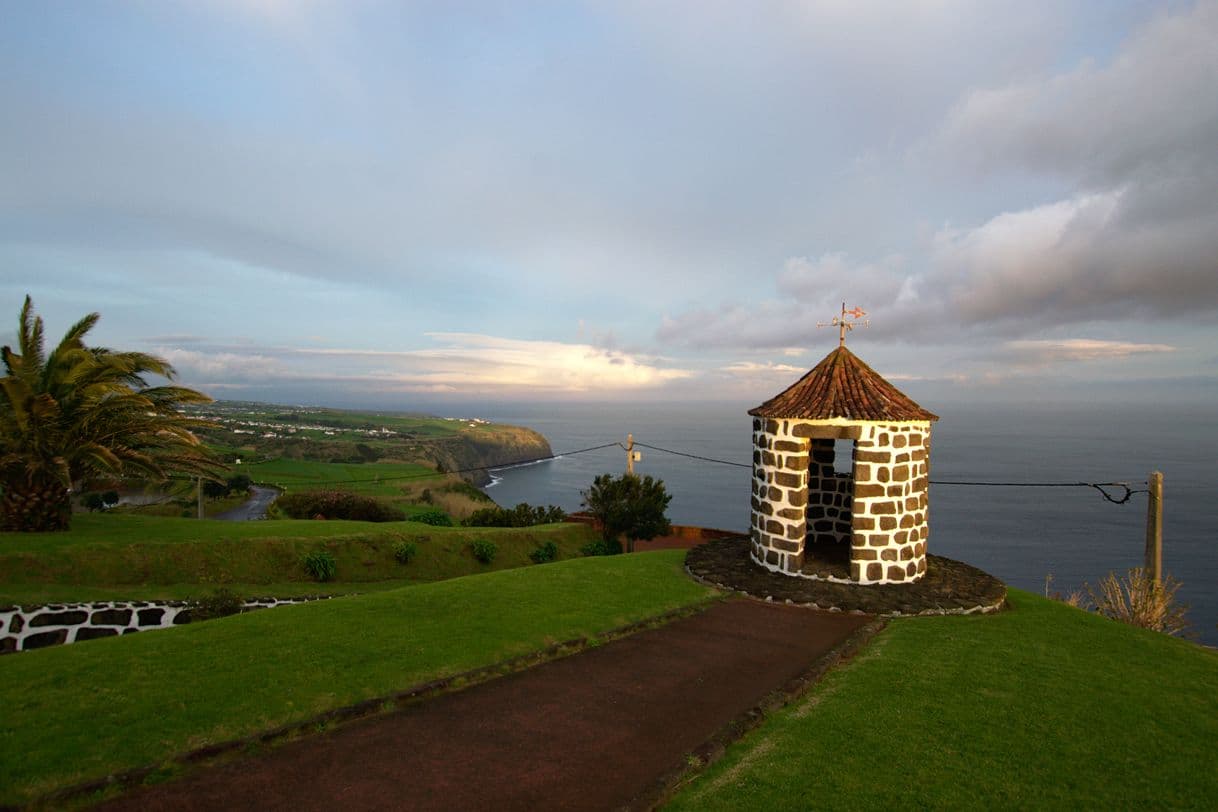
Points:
(843, 324)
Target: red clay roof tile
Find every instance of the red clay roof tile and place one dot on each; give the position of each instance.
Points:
(842, 386)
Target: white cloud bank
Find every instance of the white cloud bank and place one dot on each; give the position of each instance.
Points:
(464, 363)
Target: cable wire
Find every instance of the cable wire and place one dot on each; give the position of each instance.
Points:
(693, 456)
(1099, 486)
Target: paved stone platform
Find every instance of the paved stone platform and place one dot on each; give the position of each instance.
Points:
(949, 587)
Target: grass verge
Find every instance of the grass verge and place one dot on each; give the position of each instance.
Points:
(1045, 706)
(79, 712)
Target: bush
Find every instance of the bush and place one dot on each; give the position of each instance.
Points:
(601, 547)
(1137, 600)
(545, 553)
(215, 490)
(239, 483)
(485, 550)
(93, 502)
(320, 565)
(436, 518)
(523, 515)
(338, 505)
(405, 551)
(220, 603)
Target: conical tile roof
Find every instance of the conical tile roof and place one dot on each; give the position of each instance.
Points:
(842, 386)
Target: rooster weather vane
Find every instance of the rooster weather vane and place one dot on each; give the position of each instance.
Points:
(844, 324)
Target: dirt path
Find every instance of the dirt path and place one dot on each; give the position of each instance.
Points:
(597, 730)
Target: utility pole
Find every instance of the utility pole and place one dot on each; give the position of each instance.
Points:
(1154, 528)
(630, 454)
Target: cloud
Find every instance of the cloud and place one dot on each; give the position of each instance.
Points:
(1129, 233)
(1045, 351)
(1152, 109)
(465, 362)
(823, 280)
(767, 368)
(1136, 138)
(810, 294)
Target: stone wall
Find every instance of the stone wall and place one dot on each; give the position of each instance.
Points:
(28, 627)
(890, 509)
(887, 511)
(779, 523)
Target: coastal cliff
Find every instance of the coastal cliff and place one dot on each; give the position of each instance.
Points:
(490, 447)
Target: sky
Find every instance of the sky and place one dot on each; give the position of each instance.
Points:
(393, 204)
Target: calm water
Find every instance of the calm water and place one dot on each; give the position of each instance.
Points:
(1019, 534)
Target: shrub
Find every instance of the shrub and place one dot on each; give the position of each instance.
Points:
(523, 515)
(601, 547)
(93, 501)
(404, 551)
(1137, 600)
(110, 499)
(338, 505)
(630, 505)
(214, 490)
(544, 553)
(320, 565)
(220, 603)
(485, 550)
(436, 518)
(239, 483)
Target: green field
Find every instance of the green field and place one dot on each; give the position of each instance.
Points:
(79, 712)
(1042, 707)
(374, 478)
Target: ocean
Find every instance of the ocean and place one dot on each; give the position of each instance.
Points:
(1021, 535)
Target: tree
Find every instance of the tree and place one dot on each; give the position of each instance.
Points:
(239, 483)
(214, 489)
(630, 505)
(81, 412)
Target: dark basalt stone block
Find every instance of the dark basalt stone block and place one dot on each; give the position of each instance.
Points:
(72, 618)
(44, 639)
(91, 633)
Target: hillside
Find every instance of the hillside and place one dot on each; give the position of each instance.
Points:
(259, 431)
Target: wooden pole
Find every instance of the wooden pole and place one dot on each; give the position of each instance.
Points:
(630, 454)
(1154, 528)
(199, 495)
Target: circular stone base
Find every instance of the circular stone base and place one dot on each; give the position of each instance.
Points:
(948, 588)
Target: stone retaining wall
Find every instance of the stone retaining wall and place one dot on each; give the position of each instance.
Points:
(28, 627)
(794, 483)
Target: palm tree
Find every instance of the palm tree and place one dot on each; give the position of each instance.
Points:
(82, 412)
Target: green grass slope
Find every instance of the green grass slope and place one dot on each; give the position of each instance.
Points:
(79, 712)
(1042, 707)
(105, 557)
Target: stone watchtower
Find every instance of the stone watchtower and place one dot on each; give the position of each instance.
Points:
(865, 522)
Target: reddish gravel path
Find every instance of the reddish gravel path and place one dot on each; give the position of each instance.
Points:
(597, 730)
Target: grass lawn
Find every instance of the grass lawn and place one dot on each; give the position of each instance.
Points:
(110, 556)
(1042, 707)
(79, 712)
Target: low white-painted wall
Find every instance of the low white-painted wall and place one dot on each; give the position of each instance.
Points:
(29, 627)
